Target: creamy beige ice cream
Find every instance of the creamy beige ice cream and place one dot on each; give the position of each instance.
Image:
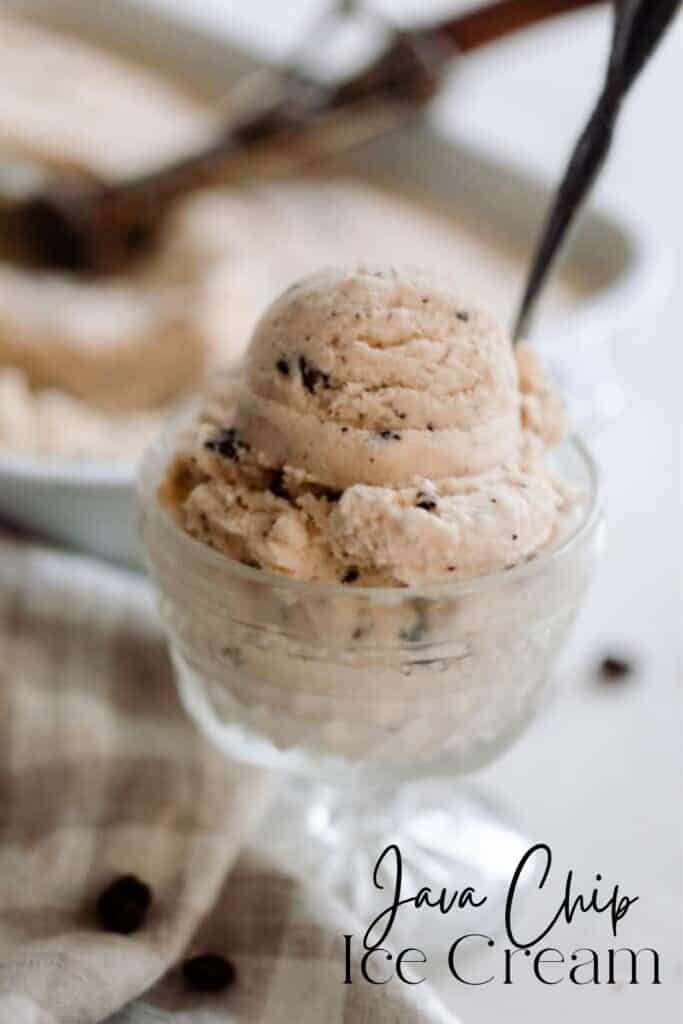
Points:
(72, 103)
(122, 345)
(385, 432)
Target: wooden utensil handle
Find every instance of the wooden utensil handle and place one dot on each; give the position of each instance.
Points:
(463, 33)
(486, 24)
(102, 227)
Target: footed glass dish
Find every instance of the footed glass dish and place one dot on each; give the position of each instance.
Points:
(372, 701)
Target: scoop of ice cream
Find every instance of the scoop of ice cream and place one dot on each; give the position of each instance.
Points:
(125, 344)
(371, 375)
(385, 433)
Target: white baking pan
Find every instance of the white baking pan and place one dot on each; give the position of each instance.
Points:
(91, 504)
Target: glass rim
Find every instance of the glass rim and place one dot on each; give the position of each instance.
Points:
(209, 556)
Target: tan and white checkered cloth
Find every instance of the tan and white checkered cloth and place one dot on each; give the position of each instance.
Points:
(101, 775)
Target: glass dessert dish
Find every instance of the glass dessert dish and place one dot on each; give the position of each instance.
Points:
(371, 700)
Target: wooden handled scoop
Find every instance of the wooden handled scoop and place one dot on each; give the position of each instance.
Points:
(96, 227)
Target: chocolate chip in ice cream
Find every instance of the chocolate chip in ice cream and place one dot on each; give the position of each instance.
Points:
(312, 376)
(228, 444)
(282, 366)
(209, 973)
(277, 485)
(123, 906)
(351, 575)
(330, 494)
(384, 416)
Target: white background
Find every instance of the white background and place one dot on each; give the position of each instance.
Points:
(599, 776)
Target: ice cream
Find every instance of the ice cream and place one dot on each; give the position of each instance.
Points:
(121, 345)
(384, 433)
(70, 102)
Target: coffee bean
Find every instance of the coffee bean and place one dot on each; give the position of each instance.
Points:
(208, 973)
(613, 668)
(123, 906)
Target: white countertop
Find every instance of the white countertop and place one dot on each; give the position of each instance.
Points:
(599, 776)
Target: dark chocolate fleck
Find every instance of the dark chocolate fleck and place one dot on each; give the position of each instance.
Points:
(515, 536)
(282, 366)
(227, 443)
(462, 315)
(430, 426)
(428, 504)
(389, 435)
(344, 430)
(123, 906)
(613, 668)
(208, 973)
(351, 575)
(312, 376)
(277, 485)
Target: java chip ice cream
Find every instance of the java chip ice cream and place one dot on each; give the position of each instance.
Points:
(385, 432)
(372, 550)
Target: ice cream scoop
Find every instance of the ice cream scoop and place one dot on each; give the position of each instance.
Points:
(370, 375)
(384, 433)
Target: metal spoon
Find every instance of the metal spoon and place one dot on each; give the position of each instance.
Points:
(639, 25)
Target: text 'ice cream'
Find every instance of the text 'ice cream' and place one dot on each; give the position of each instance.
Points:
(385, 432)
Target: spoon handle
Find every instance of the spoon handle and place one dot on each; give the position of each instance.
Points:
(639, 25)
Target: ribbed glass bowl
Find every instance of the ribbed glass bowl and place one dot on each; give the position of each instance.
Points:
(281, 672)
(371, 700)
